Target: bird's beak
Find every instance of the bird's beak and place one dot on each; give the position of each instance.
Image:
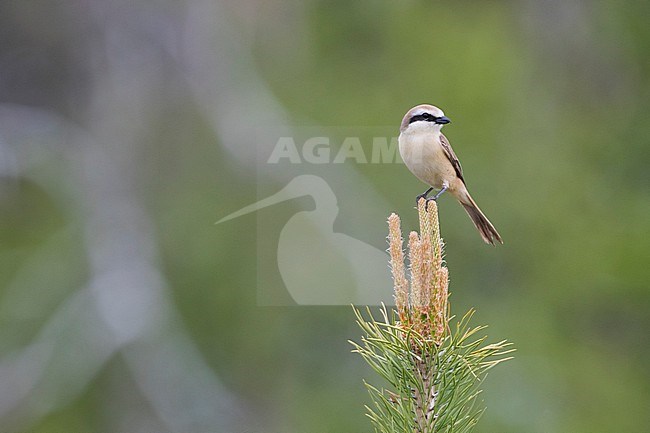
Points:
(443, 120)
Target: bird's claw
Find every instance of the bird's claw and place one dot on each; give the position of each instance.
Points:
(429, 199)
(423, 195)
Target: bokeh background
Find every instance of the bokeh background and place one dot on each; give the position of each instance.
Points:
(127, 128)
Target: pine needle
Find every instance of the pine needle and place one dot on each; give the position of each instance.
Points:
(433, 373)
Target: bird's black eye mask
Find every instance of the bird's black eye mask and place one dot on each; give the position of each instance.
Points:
(428, 117)
(424, 116)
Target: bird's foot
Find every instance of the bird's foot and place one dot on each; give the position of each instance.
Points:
(423, 195)
(435, 198)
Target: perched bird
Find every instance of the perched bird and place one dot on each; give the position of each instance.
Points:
(429, 156)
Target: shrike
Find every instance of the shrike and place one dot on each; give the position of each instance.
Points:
(429, 156)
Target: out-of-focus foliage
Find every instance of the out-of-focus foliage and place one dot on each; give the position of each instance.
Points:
(124, 128)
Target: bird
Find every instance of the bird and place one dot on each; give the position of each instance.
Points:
(429, 156)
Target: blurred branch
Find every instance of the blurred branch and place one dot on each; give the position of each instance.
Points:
(237, 102)
(125, 308)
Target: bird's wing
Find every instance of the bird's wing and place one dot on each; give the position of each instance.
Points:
(451, 156)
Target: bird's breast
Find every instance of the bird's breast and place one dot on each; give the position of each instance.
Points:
(425, 157)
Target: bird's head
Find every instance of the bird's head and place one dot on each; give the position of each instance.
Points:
(424, 118)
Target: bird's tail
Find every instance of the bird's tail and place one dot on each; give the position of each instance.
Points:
(484, 226)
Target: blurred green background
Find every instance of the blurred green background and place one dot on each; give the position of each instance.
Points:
(128, 128)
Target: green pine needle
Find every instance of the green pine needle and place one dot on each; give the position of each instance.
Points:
(432, 388)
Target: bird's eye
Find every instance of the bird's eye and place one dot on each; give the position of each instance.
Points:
(428, 117)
